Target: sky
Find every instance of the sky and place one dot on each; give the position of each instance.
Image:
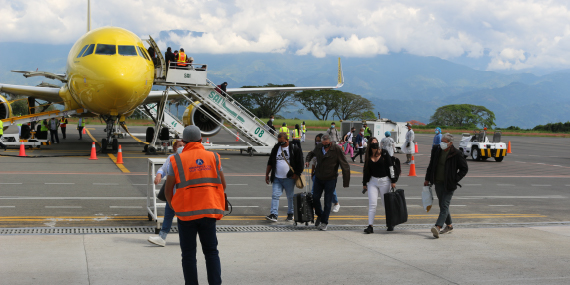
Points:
(505, 35)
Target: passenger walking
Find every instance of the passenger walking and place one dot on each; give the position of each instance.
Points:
(329, 158)
(53, 126)
(348, 138)
(80, 126)
(359, 143)
(284, 129)
(160, 240)
(199, 202)
(304, 130)
(388, 143)
(1, 134)
(336, 204)
(272, 129)
(297, 136)
(333, 134)
(436, 138)
(63, 125)
(367, 132)
(408, 148)
(280, 175)
(447, 167)
(379, 176)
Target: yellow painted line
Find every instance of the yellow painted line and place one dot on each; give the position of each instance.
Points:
(120, 166)
(89, 133)
(352, 171)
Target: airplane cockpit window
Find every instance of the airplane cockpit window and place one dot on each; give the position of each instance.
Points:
(127, 50)
(106, 49)
(89, 50)
(143, 53)
(82, 50)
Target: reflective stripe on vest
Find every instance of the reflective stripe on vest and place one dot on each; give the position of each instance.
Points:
(185, 182)
(284, 130)
(181, 59)
(200, 212)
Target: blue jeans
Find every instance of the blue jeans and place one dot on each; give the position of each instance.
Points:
(167, 222)
(280, 184)
(206, 230)
(335, 197)
(328, 186)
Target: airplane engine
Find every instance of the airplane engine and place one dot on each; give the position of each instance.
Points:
(5, 109)
(194, 116)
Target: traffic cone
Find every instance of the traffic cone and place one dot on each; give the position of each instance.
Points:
(120, 156)
(207, 140)
(412, 167)
(22, 150)
(84, 130)
(93, 152)
(509, 148)
(416, 147)
(237, 137)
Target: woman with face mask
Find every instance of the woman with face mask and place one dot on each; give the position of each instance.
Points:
(379, 176)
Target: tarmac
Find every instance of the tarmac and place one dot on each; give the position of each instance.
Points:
(529, 255)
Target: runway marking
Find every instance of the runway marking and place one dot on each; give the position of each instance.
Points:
(58, 183)
(458, 205)
(541, 185)
(520, 161)
(139, 184)
(125, 207)
(237, 184)
(471, 184)
(106, 184)
(4, 207)
(9, 183)
(63, 207)
(533, 155)
(506, 185)
(541, 163)
(501, 205)
(111, 156)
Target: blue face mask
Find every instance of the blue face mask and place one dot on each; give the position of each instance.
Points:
(180, 149)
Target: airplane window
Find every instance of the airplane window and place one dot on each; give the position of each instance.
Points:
(106, 49)
(127, 50)
(89, 50)
(82, 50)
(141, 54)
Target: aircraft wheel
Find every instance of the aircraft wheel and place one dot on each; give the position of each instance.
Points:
(145, 149)
(475, 154)
(149, 134)
(152, 150)
(104, 144)
(499, 159)
(115, 144)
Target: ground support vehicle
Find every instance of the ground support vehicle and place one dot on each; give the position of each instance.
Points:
(478, 146)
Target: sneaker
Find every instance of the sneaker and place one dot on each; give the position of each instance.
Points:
(353, 158)
(369, 230)
(446, 230)
(323, 227)
(271, 217)
(157, 240)
(289, 218)
(336, 208)
(318, 222)
(435, 232)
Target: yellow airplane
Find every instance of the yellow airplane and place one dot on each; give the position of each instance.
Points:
(109, 73)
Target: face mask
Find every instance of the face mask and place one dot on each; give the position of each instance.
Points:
(436, 132)
(443, 145)
(332, 126)
(180, 149)
(272, 120)
(374, 145)
(316, 143)
(326, 145)
(282, 143)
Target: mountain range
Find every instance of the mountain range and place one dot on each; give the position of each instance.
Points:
(402, 87)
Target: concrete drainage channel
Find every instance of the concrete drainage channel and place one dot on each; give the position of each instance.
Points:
(237, 229)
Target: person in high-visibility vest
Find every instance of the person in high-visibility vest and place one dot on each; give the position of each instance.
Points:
(63, 125)
(284, 129)
(297, 136)
(199, 202)
(44, 130)
(1, 134)
(80, 126)
(304, 130)
(181, 58)
(367, 132)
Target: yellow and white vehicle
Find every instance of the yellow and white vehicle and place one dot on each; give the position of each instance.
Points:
(478, 146)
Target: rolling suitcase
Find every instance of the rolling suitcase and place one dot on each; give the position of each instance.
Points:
(396, 209)
(303, 205)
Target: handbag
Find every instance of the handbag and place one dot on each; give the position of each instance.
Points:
(427, 198)
(300, 182)
(161, 196)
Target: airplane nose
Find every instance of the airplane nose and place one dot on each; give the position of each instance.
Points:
(125, 88)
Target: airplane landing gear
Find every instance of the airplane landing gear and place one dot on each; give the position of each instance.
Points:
(110, 140)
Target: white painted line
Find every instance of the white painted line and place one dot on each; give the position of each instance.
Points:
(237, 184)
(457, 205)
(9, 183)
(505, 184)
(106, 184)
(63, 207)
(62, 183)
(540, 163)
(245, 206)
(501, 205)
(125, 207)
(557, 165)
(520, 161)
(541, 185)
(532, 155)
(4, 207)
(471, 184)
(140, 184)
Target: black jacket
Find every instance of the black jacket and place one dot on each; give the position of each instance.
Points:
(169, 56)
(270, 124)
(295, 157)
(455, 168)
(327, 164)
(388, 161)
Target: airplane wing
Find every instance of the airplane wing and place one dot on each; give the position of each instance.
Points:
(43, 93)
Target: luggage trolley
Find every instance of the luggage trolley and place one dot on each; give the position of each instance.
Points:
(153, 204)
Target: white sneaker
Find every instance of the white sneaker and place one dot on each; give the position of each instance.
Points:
(157, 240)
(323, 227)
(336, 208)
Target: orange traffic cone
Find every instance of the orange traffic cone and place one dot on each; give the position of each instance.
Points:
(416, 147)
(120, 156)
(93, 152)
(22, 150)
(237, 137)
(412, 167)
(83, 130)
(207, 140)
(509, 148)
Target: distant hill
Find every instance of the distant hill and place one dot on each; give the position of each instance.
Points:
(403, 87)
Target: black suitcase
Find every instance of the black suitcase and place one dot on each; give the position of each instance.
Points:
(303, 208)
(396, 209)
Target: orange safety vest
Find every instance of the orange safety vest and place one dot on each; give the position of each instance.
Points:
(62, 123)
(181, 59)
(199, 190)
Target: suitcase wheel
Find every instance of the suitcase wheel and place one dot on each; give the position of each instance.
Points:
(306, 224)
(295, 224)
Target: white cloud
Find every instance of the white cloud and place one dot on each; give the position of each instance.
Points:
(515, 34)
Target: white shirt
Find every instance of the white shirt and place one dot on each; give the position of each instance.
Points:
(349, 137)
(282, 168)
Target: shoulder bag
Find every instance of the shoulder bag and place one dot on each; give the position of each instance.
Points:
(300, 182)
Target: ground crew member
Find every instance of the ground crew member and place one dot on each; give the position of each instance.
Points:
(53, 125)
(63, 125)
(44, 130)
(284, 129)
(19, 130)
(199, 202)
(80, 126)
(297, 136)
(1, 134)
(367, 132)
(304, 130)
(181, 58)
(409, 148)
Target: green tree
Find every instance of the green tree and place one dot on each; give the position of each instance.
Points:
(367, 116)
(352, 106)
(463, 115)
(262, 104)
(321, 103)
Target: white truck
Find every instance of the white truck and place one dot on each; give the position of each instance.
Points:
(378, 128)
(478, 146)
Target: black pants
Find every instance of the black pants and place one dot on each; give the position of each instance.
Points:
(80, 132)
(359, 151)
(206, 230)
(1, 144)
(63, 132)
(297, 143)
(52, 134)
